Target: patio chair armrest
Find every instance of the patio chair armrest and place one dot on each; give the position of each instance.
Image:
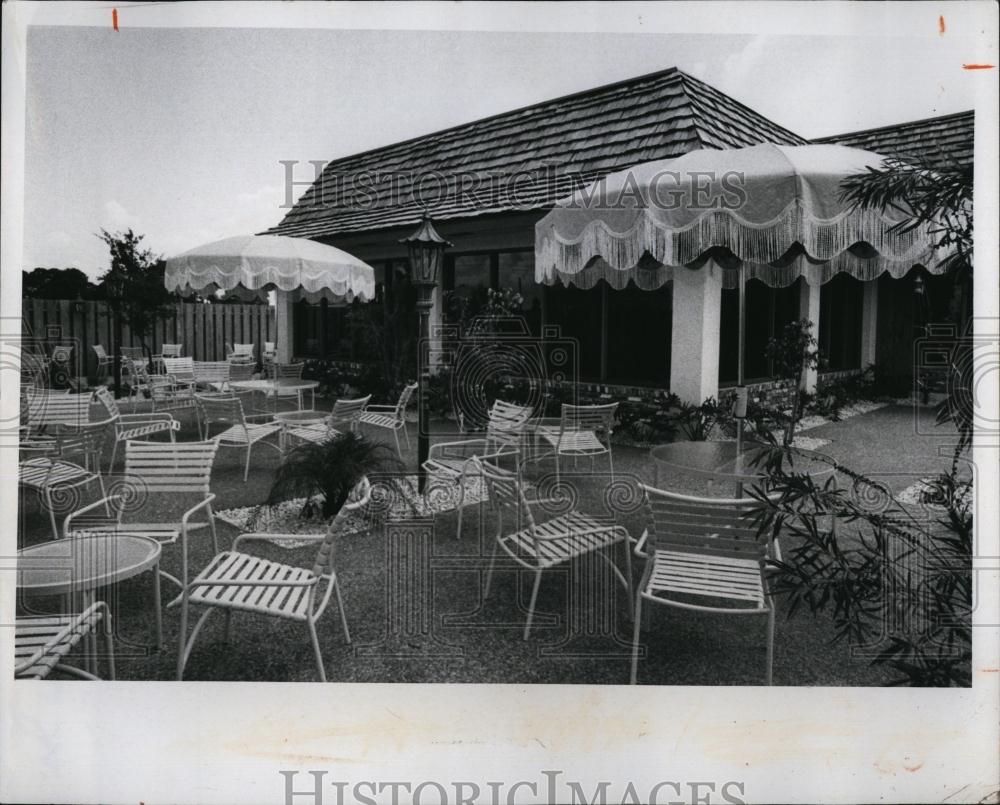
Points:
(89, 507)
(250, 417)
(197, 507)
(146, 419)
(256, 535)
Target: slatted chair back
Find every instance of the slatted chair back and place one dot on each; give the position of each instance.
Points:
(506, 493)
(242, 350)
(359, 498)
(239, 370)
(599, 419)
(287, 371)
(170, 467)
(44, 409)
(179, 368)
(106, 399)
(206, 372)
(226, 408)
(349, 410)
(404, 400)
(171, 350)
(506, 424)
(102, 355)
(705, 526)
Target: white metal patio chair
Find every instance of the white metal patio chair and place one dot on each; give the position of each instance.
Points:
(171, 350)
(173, 391)
(42, 643)
(242, 433)
(59, 428)
(391, 417)
(584, 431)
(704, 556)
(451, 464)
(211, 375)
(172, 473)
(285, 371)
(541, 546)
(344, 416)
(240, 353)
(269, 354)
(241, 582)
(105, 363)
(134, 426)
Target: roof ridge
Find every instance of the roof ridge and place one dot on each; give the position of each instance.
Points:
(692, 83)
(895, 126)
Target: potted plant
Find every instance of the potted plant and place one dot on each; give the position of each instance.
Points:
(315, 480)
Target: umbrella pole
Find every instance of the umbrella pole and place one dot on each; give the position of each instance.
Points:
(740, 408)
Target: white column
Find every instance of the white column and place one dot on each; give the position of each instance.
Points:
(284, 314)
(869, 323)
(809, 309)
(694, 340)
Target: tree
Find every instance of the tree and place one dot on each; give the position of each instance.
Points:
(58, 283)
(134, 289)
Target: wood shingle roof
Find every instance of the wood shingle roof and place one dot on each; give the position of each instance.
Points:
(528, 158)
(937, 140)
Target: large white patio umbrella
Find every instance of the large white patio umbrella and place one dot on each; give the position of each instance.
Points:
(253, 265)
(770, 212)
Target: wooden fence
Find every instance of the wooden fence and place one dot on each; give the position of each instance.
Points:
(202, 329)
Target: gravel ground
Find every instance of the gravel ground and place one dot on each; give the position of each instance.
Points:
(457, 636)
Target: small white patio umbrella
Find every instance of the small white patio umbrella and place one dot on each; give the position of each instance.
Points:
(253, 265)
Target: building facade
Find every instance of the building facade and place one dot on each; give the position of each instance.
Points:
(487, 183)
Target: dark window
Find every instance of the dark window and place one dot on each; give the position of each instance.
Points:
(839, 338)
(578, 314)
(638, 335)
(517, 272)
(768, 311)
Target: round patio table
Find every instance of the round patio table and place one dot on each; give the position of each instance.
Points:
(719, 461)
(273, 387)
(82, 563)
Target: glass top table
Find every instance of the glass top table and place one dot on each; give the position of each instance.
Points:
(720, 461)
(81, 563)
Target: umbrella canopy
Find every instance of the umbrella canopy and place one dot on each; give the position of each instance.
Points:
(775, 211)
(253, 265)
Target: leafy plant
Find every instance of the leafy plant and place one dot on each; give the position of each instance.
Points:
(792, 354)
(865, 559)
(324, 474)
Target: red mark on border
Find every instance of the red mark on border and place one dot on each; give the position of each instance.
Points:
(978, 66)
(114, 18)
(941, 26)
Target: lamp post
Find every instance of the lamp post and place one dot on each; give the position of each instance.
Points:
(426, 251)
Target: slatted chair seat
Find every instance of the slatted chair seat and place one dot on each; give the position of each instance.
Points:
(579, 442)
(35, 473)
(316, 434)
(244, 581)
(42, 643)
(706, 576)
(703, 554)
(563, 538)
(584, 431)
(378, 420)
